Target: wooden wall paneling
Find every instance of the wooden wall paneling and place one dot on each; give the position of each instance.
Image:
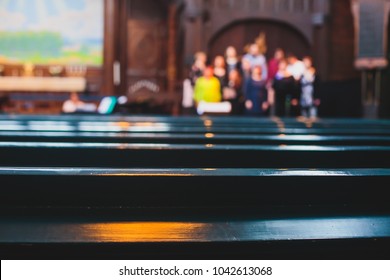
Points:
(122, 46)
(111, 26)
(172, 48)
(384, 107)
(342, 50)
(147, 39)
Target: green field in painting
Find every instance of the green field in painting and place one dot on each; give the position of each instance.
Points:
(45, 48)
(66, 57)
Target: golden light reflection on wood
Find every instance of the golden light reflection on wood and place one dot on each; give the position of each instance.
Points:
(309, 125)
(145, 231)
(123, 124)
(208, 123)
(146, 124)
(136, 124)
(146, 175)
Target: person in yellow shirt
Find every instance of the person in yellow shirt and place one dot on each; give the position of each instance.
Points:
(208, 87)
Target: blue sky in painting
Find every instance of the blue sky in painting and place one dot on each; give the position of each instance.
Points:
(75, 19)
(28, 7)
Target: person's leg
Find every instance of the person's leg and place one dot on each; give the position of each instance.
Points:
(280, 101)
(313, 112)
(305, 112)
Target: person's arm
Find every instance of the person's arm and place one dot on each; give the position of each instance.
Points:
(295, 91)
(265, 105)
(247, 90)
(316, 97)
(68, 107)
(265, 71)
(218, 88)
(197, 91)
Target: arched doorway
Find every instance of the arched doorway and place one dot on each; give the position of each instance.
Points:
(278, 35)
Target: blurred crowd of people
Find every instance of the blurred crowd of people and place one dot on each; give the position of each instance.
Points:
(282, 86)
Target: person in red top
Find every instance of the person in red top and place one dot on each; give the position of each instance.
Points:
(273, 64)
(273, 68)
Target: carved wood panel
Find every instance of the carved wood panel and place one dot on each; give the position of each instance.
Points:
(146, 53)
(146, 45)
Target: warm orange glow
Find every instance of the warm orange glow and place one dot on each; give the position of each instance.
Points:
(280, 124)
(209, 145)
(145, 124)
(208, 123)
(209, 135)
(282, 135)
(145, 231)
(309, 125)
(123, 124)
(146, 174)
(136, 124)
(123, 146)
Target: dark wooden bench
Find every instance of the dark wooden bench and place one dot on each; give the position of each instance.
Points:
(194, 188)
(299, 238)
(89, 213)
(88, 187)
(197, 126)
(118, 155)
(192, 138)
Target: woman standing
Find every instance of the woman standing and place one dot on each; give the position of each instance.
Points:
(256, 96)
(285, 90)
(308, 101)
(232, 60)
(232, 92)
(220, 70)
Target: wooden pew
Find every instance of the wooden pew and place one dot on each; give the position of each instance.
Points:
(210, 187)
(195, 188)
(338, 238)
(192, 138)
(172, 125)
(166, 130)
(119, 155)
(192, 213)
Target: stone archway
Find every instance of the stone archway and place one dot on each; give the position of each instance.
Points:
(278, 34)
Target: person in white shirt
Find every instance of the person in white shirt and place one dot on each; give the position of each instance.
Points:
(295, 67)
(74, 104)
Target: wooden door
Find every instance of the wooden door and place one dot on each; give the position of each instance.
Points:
(146, 59)
(140, 65)
(278, 35)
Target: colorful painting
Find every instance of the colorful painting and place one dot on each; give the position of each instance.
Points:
(51, 31)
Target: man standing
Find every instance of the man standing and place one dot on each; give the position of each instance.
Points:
(255, 59)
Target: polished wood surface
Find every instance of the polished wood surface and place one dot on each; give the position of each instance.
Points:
(50, 231)
(198, 188)
(124, 187)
